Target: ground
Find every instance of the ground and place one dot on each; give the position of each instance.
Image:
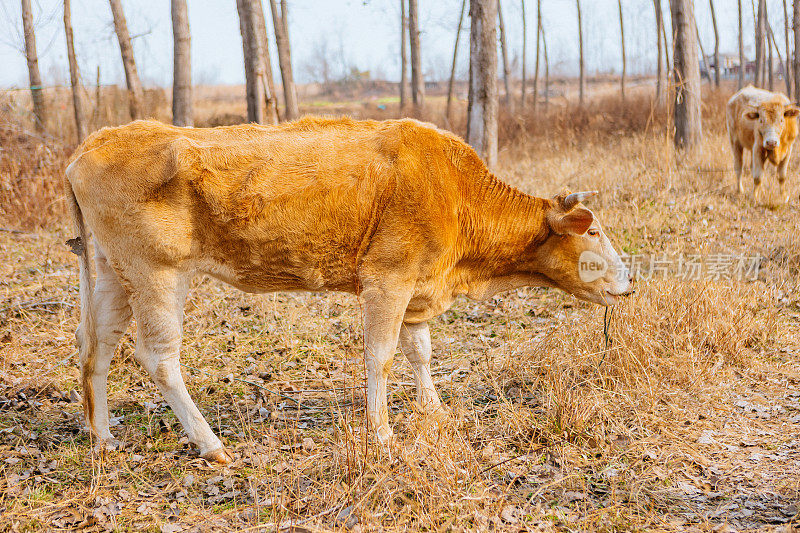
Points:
(687, 421)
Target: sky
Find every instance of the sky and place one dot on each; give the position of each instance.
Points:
(362, 34)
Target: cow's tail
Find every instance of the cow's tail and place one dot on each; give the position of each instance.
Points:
(86, 334)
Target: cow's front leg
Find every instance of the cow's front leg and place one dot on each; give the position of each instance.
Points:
(758, 169)
(384, 308)
(783, 168)
(415, 343)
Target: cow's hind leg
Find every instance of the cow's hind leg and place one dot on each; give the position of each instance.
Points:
(158, 309)
(415, 343)
(758, 170)
(738, 154)
(783, 167)
(112, 316)
(383, 314)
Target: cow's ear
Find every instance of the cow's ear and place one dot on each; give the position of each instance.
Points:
(791, 111)
(752, 115)
(576, 221)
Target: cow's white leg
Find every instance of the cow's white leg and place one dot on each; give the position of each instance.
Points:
(383, 315)
(112, 316)
(758, 169)
(783, 167)
(158, 309)
(738, 153)
(415, 343)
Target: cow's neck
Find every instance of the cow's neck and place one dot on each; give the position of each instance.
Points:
(500, 229)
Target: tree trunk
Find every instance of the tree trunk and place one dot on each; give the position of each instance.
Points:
(504, 51)
(582, 79)
(787, 69)
(622, 41)
(270, 96)
(796, 28)
(35, 79)
(417, 82)
(280, 23)
(182, 114)
(702, 52)
(742, 65)
(74, 75)
(781, 66)
(716, 44)
(688, 128)
(546, 69)
(482, 105)
(538, 44)
(770, 44)
(253, 60)
(660, 81)
(135, 92)
(760, 59)
(524, 58)
(666, 49)
(453, 66)
(404, 58)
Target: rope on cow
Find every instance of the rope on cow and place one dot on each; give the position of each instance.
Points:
(607, 316)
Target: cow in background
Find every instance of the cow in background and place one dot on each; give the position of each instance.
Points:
(765, 123)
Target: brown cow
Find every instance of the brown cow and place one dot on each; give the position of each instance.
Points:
(765, 123)
(401, 213)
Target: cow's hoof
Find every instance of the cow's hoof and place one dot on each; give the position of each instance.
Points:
(220, 456)
(108, 445)
(385, 436)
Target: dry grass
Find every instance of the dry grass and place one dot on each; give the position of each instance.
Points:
(548, 429)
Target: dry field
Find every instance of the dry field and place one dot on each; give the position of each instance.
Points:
(688, 421)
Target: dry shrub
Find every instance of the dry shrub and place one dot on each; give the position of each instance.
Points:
(31, 169)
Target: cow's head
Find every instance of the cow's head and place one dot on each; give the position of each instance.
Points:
(577, 256)
(768, 120)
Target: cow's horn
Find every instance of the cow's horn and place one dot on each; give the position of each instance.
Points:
(573, 199)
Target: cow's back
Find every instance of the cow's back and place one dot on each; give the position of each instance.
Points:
(262, 207)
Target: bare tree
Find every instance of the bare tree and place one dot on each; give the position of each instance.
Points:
(796, 28)
(74, 75)
(35, 79)
(660, 78)
(787, 69)
(281, 25)
(666, 49)
(760, 31)
(538, 44)
(770, 45)
(135, 91)
(716, 43)
(182, 114)
(253, 60)
(688, 128)
(582, 80)
(524, 52)
(455, 56)
(622, 40)
(546, 68)
(707, 70)
(781, 66)
(504, 51)
(482, 104)
(742, 65)
(404, 58)
(270, 96)
(417, 82)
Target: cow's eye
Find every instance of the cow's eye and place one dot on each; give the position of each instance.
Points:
(593, 232)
